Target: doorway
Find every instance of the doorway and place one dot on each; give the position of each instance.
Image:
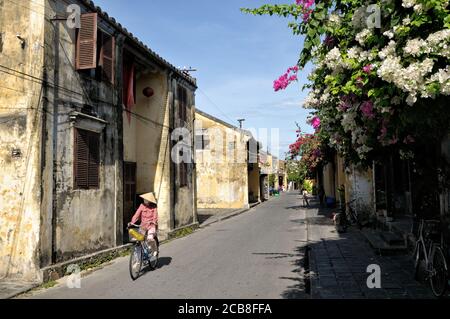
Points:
(129, 195)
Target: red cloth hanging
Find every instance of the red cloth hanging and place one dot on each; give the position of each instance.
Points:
(128, 87)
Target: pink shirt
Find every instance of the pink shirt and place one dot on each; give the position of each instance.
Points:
(148, 217)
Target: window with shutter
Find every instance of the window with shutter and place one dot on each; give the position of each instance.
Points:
(182, 103)
(107, 57)
(86, 53)
(183, 174)
(87, 159)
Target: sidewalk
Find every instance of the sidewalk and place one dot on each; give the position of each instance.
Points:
(209, 216)
(9, 289)
(338, 265)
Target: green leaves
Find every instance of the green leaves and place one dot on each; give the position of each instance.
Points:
(282, 10)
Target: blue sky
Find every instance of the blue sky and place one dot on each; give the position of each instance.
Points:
(237, 57)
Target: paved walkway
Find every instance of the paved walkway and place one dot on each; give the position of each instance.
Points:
(338, 265)
(10, 289)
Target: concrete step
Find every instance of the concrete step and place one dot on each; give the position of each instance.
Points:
(392, 238)
(377, 242)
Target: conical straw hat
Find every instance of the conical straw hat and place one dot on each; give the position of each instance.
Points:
(150, 197)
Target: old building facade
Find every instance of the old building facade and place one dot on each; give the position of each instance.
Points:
(227, 169)
(89, 119)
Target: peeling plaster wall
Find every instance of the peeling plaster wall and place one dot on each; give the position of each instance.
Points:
(359, 186)
(184, 202)
(20, 135)
(221, 183)
(86, 220)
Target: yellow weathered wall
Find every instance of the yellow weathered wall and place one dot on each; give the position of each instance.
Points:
(221, 181)
(328, 180)
(146, 142)
(253, 183)
(20, 128)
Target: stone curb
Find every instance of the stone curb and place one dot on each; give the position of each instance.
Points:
(20, 291)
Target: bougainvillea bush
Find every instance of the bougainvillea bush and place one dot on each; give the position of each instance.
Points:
(381, 78)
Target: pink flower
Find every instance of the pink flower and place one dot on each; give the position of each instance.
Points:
(368, 68)
(367, 109)
(305, 3)
(283, 81)
(315, 122)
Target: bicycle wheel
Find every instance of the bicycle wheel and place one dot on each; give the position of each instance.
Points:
(418, 260)
(153, 260)
(438, 278)
(136, 262)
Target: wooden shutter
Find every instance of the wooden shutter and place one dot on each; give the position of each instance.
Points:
(107, 56)
(81, 159)
(182, 102)
(86, 53)
(183, 174)
(94, 163)
(87, 159)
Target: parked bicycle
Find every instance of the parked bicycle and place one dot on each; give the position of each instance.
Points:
(345, 217)
(141, 255)
(429, 250)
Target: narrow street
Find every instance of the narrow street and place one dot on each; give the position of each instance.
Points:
(258, 254)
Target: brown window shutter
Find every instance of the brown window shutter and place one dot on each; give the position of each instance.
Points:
(87, 159)
(107, 56)
(86, 57)
(94, 163)
(81, 159)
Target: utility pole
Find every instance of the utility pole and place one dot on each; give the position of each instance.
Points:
(240, 122)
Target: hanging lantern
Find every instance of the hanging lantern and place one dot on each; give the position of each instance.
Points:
(148, 91)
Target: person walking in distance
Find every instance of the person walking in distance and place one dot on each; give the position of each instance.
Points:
(305, 198)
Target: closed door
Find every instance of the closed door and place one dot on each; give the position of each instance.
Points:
(129, 193)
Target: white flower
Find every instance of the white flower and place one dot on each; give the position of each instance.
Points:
(418, 8)
(334, 19)
(414, 47)
(311, 100)
(348, 121)
(406, 21)
(411, 99)
(353, 52)
(388, 50)
(408, 3)
(389, 34)
(362, 36)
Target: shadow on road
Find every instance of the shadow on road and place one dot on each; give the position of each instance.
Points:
(164, 261)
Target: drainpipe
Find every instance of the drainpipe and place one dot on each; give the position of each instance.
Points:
(194, 170)
(55, 142)
(173, 192)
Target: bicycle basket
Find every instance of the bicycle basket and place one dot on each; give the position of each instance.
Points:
(134, 233)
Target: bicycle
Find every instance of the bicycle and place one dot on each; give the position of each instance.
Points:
(141, 254)
(428, 250)
(351, 216)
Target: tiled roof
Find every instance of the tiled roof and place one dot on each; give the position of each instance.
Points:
(153, 54)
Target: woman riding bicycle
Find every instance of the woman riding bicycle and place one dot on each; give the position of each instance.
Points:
(147, 214)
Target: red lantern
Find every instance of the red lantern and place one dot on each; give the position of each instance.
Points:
(148, 92)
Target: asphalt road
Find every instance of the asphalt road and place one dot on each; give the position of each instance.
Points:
(257, 254)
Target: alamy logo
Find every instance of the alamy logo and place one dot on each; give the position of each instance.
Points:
(374, 279)
(74, 279)
(74, 18)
